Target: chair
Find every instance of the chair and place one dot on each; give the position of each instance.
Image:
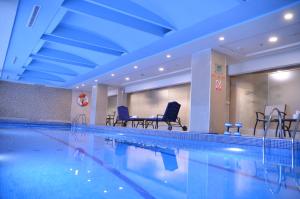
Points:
(123, 117)
(110, 118)
(170, 117)
(263, 117)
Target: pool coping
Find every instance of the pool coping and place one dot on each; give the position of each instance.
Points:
(199, 136)
(176, 135)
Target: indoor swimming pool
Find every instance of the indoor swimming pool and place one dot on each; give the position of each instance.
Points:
(44, 163)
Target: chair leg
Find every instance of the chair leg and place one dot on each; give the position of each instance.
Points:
(255, 127)
(169, 126)
(153, 126)
(115, 123)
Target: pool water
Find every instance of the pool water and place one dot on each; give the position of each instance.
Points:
(37, 163)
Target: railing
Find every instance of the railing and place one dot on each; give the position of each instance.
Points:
(78, 121)
(269, 123)
(296, 128)
(281, 179)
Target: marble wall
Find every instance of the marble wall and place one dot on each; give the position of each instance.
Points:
(35, 103)
(112, 104)
(76, 109)
(251, 92)
(152, 102)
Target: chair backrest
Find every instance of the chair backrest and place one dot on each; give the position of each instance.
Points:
(269, 108)
(171, 112)
(123, 113)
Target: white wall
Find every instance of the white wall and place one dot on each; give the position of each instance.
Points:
(8, 11)
(274, 61)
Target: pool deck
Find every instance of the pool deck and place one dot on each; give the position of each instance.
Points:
(170, 135)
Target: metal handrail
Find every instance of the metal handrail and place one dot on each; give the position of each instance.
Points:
(296, 128)
(78, 120)
(269, 123)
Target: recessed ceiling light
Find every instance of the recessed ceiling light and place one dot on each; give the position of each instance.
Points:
(273, 39)
(288, 16)
(77, 87)
(221, 38)
(127, 78)
(168, 56)
(82, 85)
(112, 75)
(95, 80)
(135, 67)
(161, 69)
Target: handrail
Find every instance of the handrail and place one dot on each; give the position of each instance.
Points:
(269, 123)
(80, 119)
(296, 128)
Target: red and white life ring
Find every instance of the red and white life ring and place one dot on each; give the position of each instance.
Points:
(83, 100)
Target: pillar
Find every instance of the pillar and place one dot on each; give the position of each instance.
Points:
(208, 91)
(99, 101)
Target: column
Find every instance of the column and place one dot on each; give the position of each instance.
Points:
(98, 109)
(209, 107)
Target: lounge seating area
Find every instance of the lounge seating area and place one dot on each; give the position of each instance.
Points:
(282, 122)
(170, 118)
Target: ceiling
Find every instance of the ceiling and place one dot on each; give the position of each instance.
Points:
(69, 43)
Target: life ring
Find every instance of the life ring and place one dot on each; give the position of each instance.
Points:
(83, 100)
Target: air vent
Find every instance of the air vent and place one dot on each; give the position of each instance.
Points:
(15, 60)
(33, 16)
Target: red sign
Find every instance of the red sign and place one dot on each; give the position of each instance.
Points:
(218, 85)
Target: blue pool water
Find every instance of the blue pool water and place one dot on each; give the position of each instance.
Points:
(37, 163)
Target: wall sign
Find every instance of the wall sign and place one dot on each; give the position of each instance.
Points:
(218, 85)
(82, 100)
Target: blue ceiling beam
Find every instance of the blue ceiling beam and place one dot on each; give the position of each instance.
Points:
(70, 42)
(86, 37)
(132, 9)
(238, 15)
(63, 61)
(39, 66)
(40, 81)
(52, 53)
(103, 12)
(41, 75)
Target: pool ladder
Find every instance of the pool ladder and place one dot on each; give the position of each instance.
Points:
(281, 132)
(281, 136)
(78, 121)
(280, 126)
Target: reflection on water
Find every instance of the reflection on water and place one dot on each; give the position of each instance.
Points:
(96, 166)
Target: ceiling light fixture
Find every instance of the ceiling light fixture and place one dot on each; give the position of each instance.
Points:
(135, 67)
(221, 38)
(82, 85)
(127, 78)
(77, 87)
(273, 39)
(161, 69)
(281, 75)
(112, 75)
(95, 80)
(168, 56)
(288, 16)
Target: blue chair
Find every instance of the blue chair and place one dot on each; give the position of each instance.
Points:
(124, 117)
(170, 117)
